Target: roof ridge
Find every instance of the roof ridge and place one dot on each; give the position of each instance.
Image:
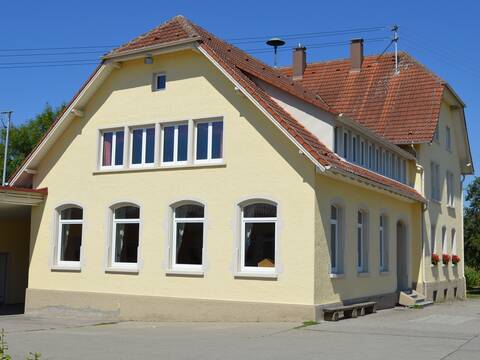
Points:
(187, 25)
(265, 66)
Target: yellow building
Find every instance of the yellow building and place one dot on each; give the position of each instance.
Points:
(187, 180)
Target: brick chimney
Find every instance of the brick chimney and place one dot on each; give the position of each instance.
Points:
(299, 62)
(356, 54)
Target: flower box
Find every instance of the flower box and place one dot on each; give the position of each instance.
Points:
(455, 259)
(445, 259)
(435, 259)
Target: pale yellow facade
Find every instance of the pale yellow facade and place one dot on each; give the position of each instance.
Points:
(259, 162)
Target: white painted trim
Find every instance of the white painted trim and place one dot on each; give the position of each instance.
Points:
(59, 123)
(262, 109)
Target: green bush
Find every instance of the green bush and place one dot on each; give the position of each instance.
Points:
(472, 277)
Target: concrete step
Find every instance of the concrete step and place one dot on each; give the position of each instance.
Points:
(411, 298)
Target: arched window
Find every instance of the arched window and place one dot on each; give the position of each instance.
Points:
(258, 238)
(69, 243)
(335, 239)
(125, 240)
(362, 258)
(383, 234)
(188, 231)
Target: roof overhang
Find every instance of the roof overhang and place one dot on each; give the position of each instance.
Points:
(152, 50)
(19, 196)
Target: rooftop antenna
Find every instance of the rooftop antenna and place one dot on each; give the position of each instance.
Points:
(275, 42)
(394, 29)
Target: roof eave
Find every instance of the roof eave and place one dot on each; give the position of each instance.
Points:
(123, 55)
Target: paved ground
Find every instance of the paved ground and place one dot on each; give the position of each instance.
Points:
(443, 331)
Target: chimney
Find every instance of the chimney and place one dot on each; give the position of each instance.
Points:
(299, 62)
(356, 54)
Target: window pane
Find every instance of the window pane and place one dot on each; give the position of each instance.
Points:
(260, 210)
(71, 242)
(333, 245)
(182, 147)
(73, 213)
(381, 249)
(126, 243)
(202, 141)
(150, 146)
(217, 140)
(168, 138)
(127, 212)
(359, 247)
(137, 146)
(189, 211)
(333, 213)
(119, 141)
(189, 243)
(107, 149)
(360, 217)
(259, 244)
(161, 81)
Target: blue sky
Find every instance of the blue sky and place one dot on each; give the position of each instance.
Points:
(441, 34)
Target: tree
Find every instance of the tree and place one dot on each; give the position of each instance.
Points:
(23, 138)
(472, 225)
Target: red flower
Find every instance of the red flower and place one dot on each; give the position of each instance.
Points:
(446, 258)
(455, 259)
(435, 259)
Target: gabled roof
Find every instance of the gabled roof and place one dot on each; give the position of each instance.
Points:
(402, 107)
(243, 69)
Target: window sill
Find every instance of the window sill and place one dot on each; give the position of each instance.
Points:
(160, 168)
(435, 201)
(171, 272)
(61, 268)
(451, 207)
(384, 273)
(363, 274)
(336, 276)
(256, 275)
(121, 270)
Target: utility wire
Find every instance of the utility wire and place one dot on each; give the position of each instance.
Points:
(43, 66)
(54, 54)
(61, 48)
(46, 62)
(319, 34)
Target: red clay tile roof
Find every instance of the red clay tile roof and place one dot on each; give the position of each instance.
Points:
(244, 68)
(43, 191)
(403, 107)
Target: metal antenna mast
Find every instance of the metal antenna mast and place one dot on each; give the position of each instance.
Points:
(395, 44)
(5, 156)
(275, 42)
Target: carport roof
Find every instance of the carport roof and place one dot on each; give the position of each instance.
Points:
(20, 196)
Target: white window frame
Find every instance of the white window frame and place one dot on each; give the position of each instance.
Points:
(113, 243)
(144, 146)
(448, 138)
(435, 181)
(252, 269)
(58, 250)
(173, 253)
(155, 81)
(209, 141)
(175, 144)
(450, 189)
(361, 258)
(114, 148)
(383, 233)
(335, 222)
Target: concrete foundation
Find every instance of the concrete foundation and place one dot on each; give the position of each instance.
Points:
(444, 290)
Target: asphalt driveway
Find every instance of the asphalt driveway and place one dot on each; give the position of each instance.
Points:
(442, 331)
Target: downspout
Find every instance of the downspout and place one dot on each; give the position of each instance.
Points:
(420, 169)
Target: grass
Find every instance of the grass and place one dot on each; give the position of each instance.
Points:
(473, 293)
(306, 323)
